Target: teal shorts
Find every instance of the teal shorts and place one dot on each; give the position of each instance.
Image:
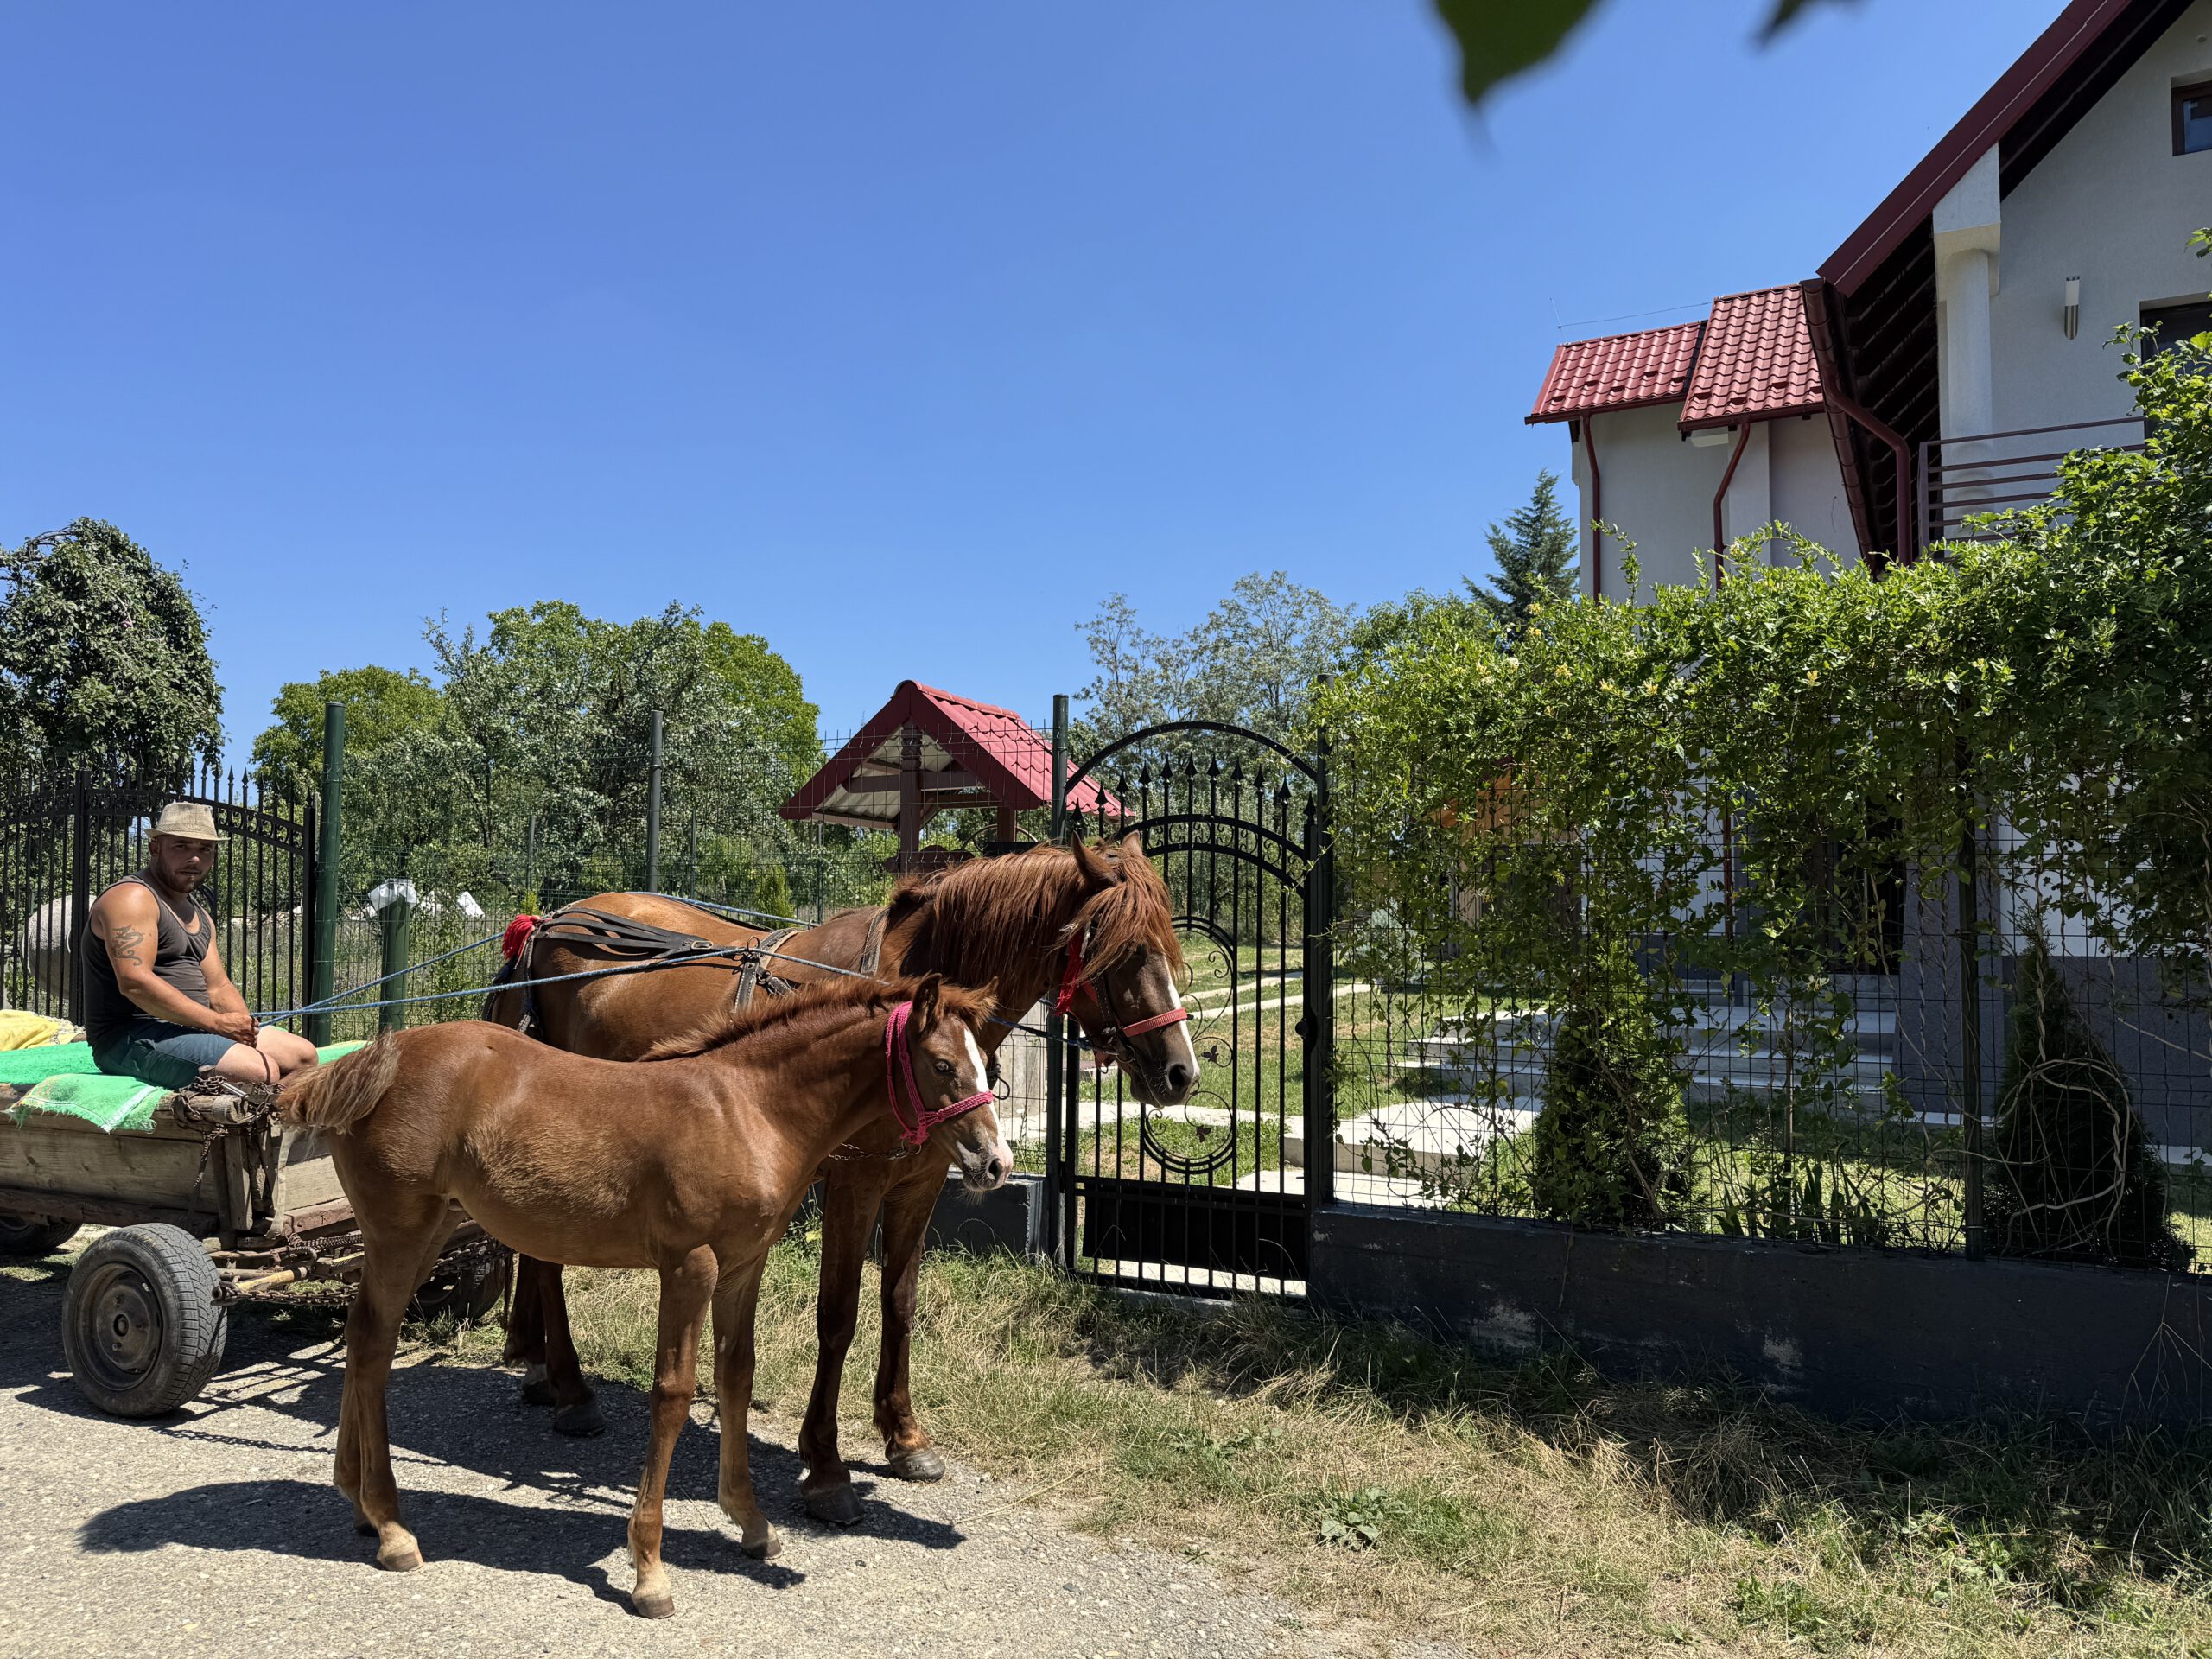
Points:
(156, 1051)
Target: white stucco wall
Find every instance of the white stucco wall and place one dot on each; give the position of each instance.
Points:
(2113, 205)
(1808, 485)
(1658, 490)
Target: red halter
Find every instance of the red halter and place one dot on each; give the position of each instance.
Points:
(898, 1063)
(1071, 982)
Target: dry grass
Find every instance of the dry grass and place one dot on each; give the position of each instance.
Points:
(1520, 1509)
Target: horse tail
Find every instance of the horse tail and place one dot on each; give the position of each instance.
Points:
(335, 1097)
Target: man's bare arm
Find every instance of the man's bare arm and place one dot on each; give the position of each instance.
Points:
(128, 924)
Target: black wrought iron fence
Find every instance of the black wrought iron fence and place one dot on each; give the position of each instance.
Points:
(64, 840)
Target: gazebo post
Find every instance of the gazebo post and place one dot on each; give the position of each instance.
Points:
(910, 798)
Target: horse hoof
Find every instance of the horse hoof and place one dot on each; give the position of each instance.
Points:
(654, 1603)
(920, 1464)
(582, 1420)
(537, 1392)
(839, 1505)
(400, 1557)
(771, 1545)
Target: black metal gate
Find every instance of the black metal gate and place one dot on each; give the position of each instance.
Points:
(1213, 1195)
(64, 840)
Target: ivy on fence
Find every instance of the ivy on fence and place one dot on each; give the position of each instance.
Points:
(1787, 794)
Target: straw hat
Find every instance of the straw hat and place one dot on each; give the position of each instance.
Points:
(188, 821)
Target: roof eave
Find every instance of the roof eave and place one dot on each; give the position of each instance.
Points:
(2031, 75)
(1598, 409)
(1736, 418)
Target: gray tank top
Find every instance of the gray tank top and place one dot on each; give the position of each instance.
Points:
(178, 955)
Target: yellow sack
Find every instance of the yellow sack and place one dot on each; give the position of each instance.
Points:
(21, 1030)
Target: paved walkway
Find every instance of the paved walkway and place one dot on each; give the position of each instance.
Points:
(218, 1533)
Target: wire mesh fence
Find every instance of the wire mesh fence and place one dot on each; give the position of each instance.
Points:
(1988, 1076)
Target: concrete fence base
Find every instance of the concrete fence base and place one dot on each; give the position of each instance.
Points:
(1840, 1331)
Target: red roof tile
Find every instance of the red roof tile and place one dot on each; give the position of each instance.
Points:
(1619, 372)
(1757, 362)
(994, 746)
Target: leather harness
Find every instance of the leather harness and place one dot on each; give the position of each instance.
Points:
(624, 936)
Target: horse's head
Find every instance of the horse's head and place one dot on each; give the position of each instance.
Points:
(1123, 958)
(946, 1077)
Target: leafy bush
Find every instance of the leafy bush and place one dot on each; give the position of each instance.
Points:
(2074, 1176)
(1611, 1148)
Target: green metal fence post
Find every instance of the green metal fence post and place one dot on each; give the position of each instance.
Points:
(652, 813)
(1970, 1219)
(394, 914)
(322, 970)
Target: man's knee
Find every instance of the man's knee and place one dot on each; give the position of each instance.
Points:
(291, 1051)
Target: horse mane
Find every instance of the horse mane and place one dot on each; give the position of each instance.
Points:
(812, 1010)
(993, 907)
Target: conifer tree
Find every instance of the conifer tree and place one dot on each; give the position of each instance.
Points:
(2075, 1175)
(1536, 549)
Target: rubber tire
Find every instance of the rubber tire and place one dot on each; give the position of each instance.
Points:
(469, 1294)
(33, 1235)
(169, 1263)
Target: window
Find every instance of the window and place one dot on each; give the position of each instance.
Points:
(2176, 323)
(2193, 117)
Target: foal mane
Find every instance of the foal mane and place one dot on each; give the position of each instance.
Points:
(813, 1011)
(995, 910)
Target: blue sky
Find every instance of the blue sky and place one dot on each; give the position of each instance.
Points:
(899, 334)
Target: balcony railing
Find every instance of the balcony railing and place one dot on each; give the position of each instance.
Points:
(2000, 472)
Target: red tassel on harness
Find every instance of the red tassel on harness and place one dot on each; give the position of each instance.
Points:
(1072, 979)
(517, 935)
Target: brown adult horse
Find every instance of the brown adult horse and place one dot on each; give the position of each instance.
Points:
(689, 1162)
(1009, 920)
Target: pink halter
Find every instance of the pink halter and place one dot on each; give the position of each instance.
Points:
(898, 1063)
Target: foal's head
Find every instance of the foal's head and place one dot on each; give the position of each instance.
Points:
(947, 1080)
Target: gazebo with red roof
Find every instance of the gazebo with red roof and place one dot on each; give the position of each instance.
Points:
(927, 752)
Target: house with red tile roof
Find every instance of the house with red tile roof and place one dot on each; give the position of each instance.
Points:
(1950, 350)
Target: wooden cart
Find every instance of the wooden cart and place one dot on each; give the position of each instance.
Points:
(214, 1200)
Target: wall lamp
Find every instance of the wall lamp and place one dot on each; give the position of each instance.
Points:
(2073, 306)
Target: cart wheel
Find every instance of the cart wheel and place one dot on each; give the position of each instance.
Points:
(140, 1324)
(33, 1235)
(466, 1293)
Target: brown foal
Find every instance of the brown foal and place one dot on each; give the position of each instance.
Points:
(689, 1162)
(1008, 920)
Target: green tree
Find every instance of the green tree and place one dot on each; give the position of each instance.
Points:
(381, 704)
(1254, 661)
(102, 656)
(1611, 1148)
(545, 718)
(1536, 549)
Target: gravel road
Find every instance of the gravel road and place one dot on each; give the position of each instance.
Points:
(217, 1532)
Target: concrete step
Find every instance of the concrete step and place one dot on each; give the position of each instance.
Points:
(1420, 1134)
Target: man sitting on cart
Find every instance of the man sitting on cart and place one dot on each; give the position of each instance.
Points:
(158, 1005)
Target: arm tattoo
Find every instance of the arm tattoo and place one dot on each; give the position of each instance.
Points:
(124, 944)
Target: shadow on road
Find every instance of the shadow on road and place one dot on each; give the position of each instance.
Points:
(573, 1496)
